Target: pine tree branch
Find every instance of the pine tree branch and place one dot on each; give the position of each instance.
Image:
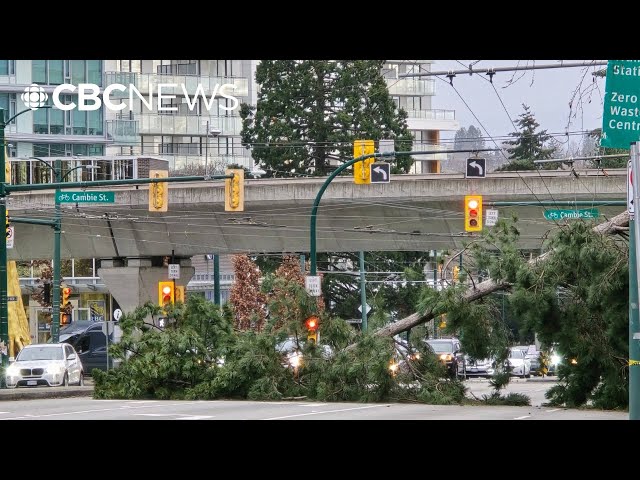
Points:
(489, 286)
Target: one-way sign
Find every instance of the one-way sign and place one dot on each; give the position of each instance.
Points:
(380, 172)
(476, 168)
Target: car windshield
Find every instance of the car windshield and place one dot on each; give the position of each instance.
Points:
(441, 347)
(40, 353)
(515, 353)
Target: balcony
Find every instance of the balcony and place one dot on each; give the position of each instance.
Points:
(190, 125)
(412, 86)
(432, 120)
(433, 114)
(215, 163)
(146, 81)
(123, 132)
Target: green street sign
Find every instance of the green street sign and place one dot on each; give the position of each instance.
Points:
(621, 119)
(587, 213)
(86, 197)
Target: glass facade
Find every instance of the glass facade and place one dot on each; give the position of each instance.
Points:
(8, 104)
(7, 67)
(73, 122)
(56, 72)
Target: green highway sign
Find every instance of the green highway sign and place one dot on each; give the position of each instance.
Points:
(86, 197)
(621, 119)
(587, 213)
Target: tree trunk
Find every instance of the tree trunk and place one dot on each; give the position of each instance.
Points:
(489, 286)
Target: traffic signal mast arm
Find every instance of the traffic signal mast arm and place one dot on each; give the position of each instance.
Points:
(7, 189)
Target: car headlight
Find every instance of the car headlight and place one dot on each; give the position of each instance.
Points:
(295, 359)
(445, 357)
(13, 371)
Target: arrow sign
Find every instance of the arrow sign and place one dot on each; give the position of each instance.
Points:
(476, 168)
(368, 308)
(380, 172)
(475, 165)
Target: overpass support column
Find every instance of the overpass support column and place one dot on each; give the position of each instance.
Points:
(134, 281)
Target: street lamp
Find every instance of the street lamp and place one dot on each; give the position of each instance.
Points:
(57, 228)
(4, 306)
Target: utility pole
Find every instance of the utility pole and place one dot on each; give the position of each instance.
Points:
(633, 195)
(55, 300)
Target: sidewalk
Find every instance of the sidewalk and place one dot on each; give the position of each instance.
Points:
(32, 393)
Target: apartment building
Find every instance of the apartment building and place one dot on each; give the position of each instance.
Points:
(415, 94)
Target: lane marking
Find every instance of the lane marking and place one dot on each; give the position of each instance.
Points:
(522, 417)
(553, 410)
(183, 416)
(95, 410)
(327, 411)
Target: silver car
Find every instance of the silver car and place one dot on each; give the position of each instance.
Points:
(45, 364)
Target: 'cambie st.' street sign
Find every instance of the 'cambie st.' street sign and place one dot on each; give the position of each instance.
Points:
(86, 197)
(621, 119)
(587, 213)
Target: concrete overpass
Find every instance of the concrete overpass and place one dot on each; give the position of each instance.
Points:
(412, 213)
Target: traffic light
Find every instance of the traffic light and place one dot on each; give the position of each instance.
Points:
(8, 223)
(166, 293)
(66, 293)
(312, 324)
(362, 169)
(473, 213)
(158, 192)
(180, 294)
(456, 272)
(234, 190)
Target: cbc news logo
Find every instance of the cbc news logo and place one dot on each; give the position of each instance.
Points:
(34, 96)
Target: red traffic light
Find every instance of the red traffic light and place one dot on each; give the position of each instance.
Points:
(312, 324)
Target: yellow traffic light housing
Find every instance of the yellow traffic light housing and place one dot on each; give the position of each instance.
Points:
(473, 213)
(66, 293)
(312, 323)
(234, 190)
(180, 293)
(166, 293)
(362, 169)
(158, 192)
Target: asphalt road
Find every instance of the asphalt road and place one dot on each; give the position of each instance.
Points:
(75, 403)
(83, 408)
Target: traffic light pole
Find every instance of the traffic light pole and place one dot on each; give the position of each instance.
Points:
(634, 318)
(55, 290)
(363, 292)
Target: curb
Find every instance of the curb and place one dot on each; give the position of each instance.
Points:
(44, 392)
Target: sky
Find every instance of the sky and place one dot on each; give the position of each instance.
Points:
(547, 93)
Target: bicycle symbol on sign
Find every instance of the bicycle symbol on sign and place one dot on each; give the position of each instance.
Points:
(64, 197)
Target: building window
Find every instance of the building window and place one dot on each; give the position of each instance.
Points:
(56, 72)
(8, 104)
(7, 67)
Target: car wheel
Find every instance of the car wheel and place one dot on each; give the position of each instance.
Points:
(81, 381)
(65, 380)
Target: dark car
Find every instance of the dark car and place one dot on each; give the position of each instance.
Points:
(449, 351)
(90, 341)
